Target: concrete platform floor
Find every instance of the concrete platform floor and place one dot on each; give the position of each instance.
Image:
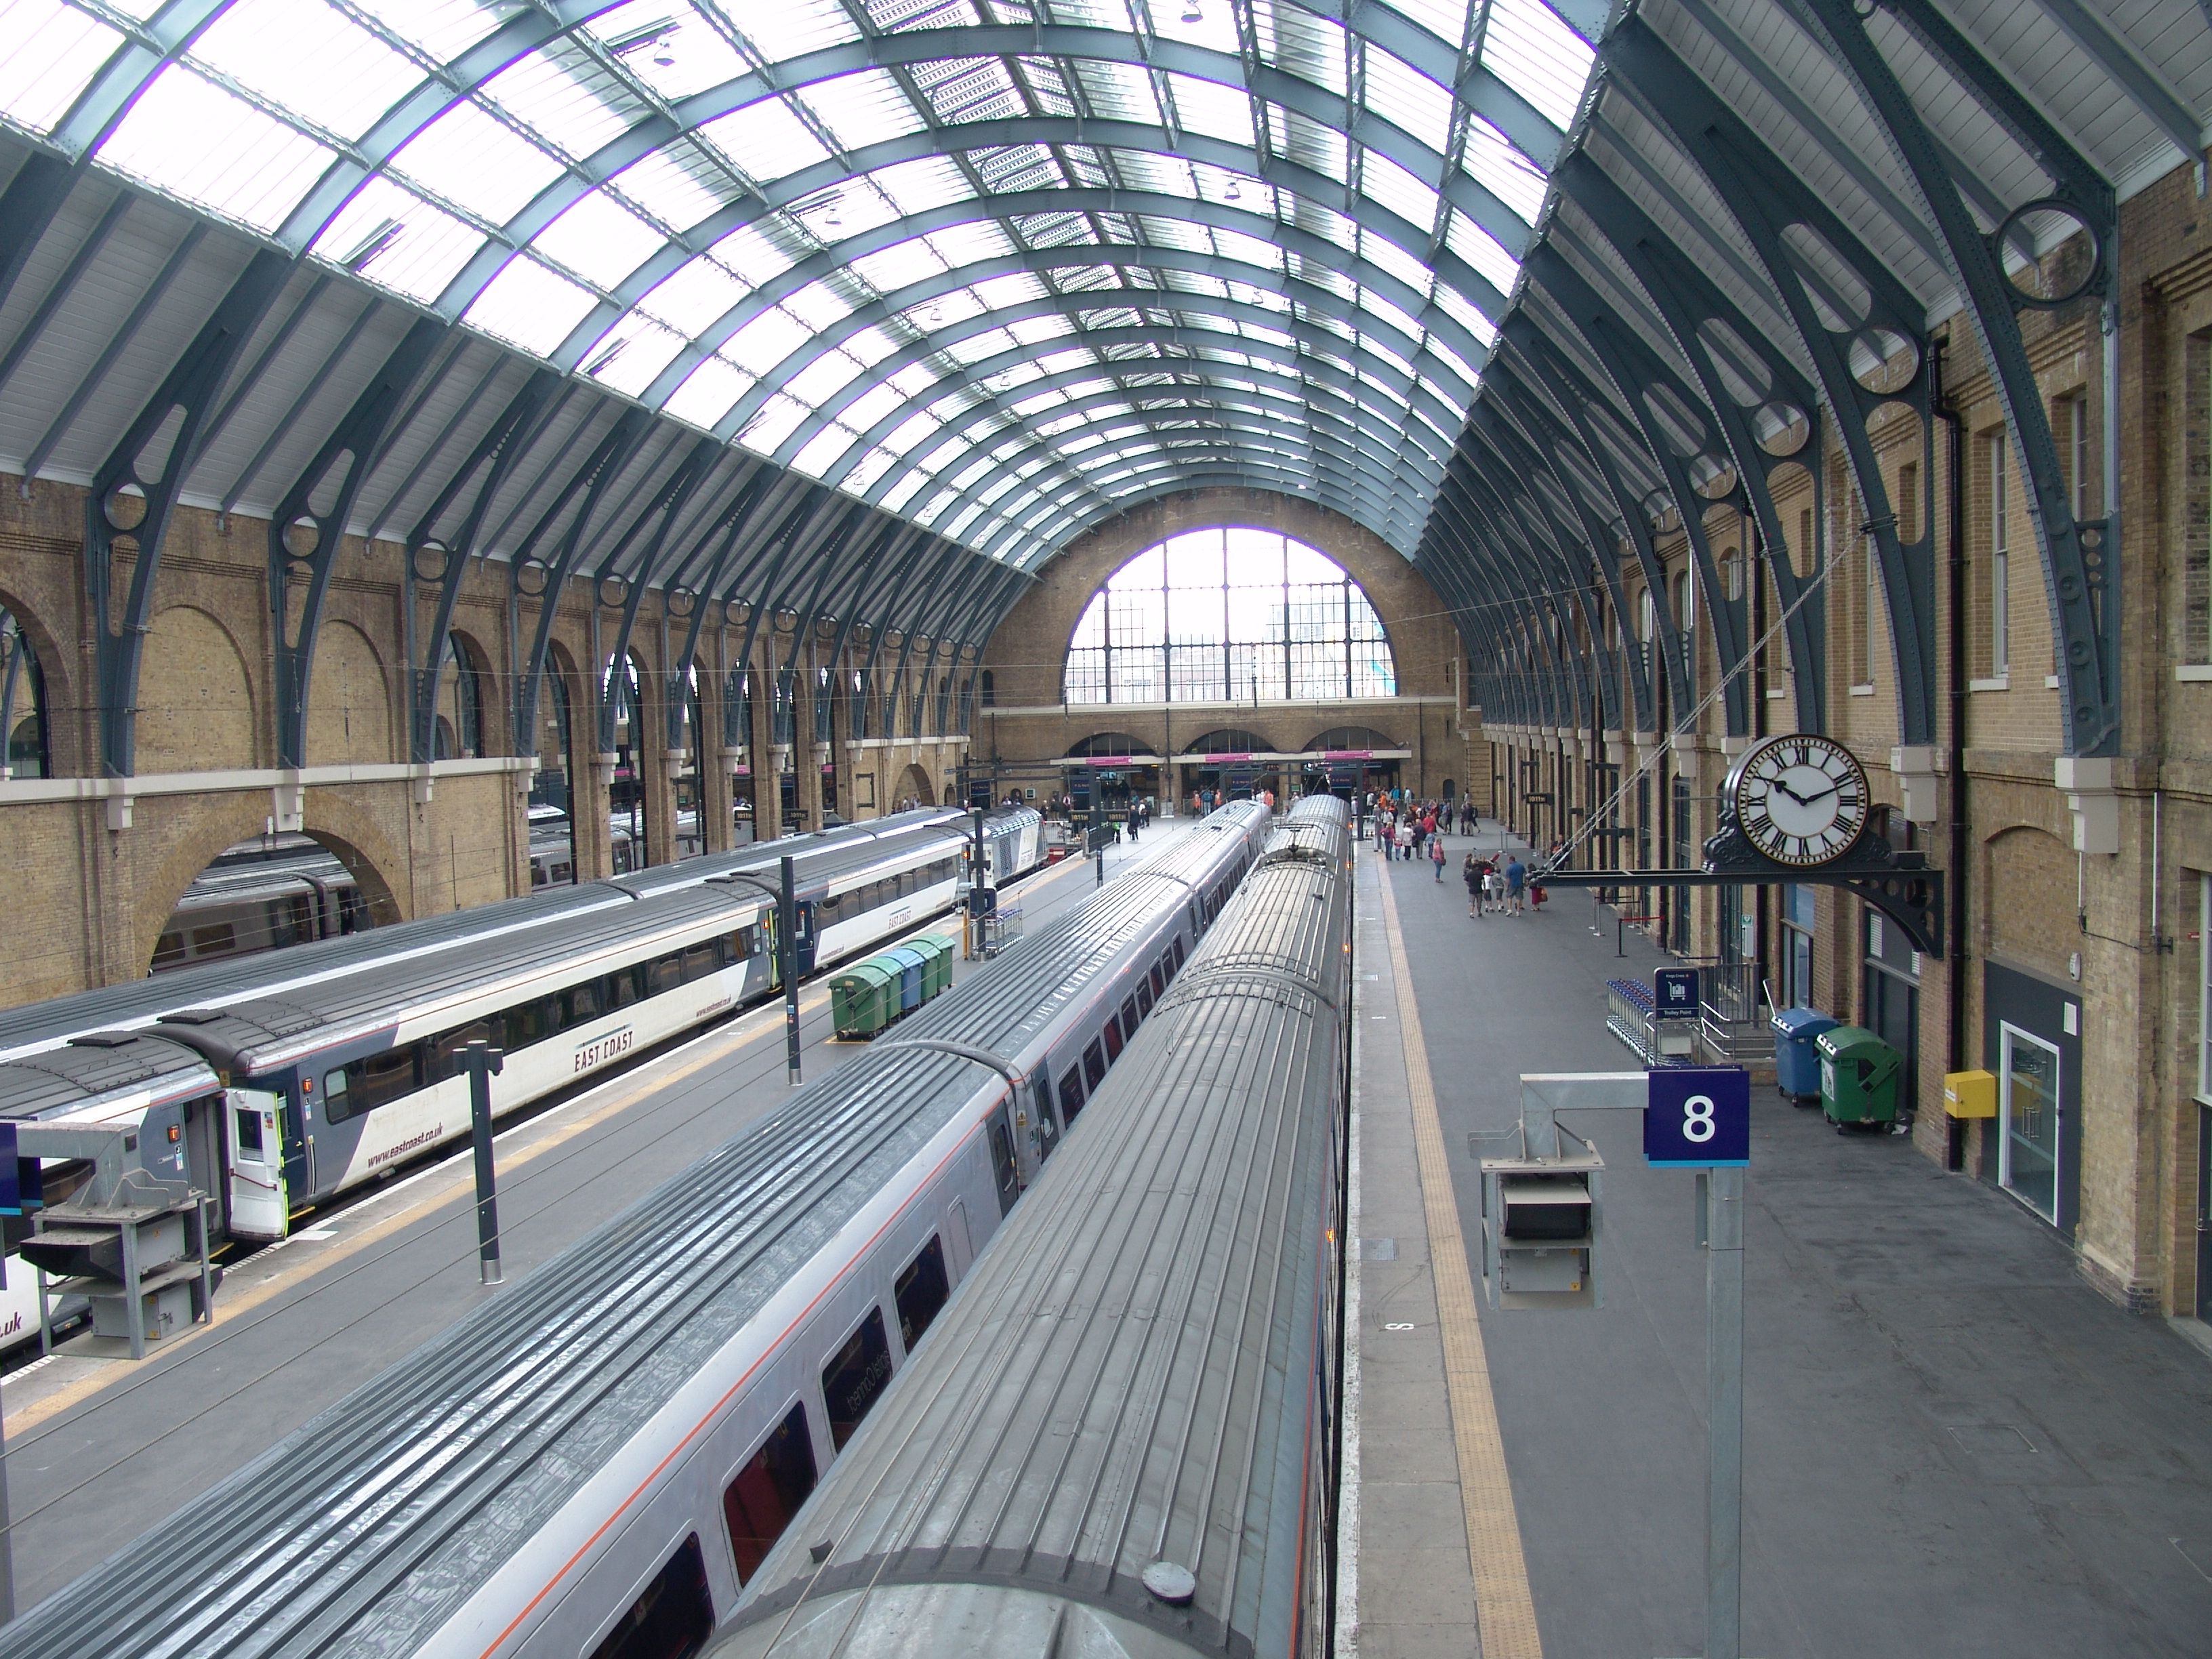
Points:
(97, 1450)
(1952, 1445)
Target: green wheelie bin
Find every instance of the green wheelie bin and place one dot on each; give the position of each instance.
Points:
(1859, 1075)
(937, 964)
(863, 998)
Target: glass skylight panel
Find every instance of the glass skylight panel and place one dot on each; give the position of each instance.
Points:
(871, 405)
(970, 89)
(1445, 19)
(1387, 255)
(845, 211)
(978, 240)
(700, 291)
(1460, 310)
(767, 340)
(630, 355)
(909, 484)
(1526, 45)
(1452, 361)
(1209, 107)
(680, 188)
(819, 305)
(1508, 175)
(972, 472)
(444, 29)
(1382, 180)
(1408, 100)
(911, 431)
(566, 97)
(54, 52)
(190, 137)
(530, 306)
(978, 347)
(824, 451)
(398, 241)
(823, 378)
(777, 419)
(599, 240)
(264, 45)
(1479, 249)
(894, 267)
(1046, 85)
(868, 470)
(708, 392)
(789, 28)
(1000, 293)
(684, 54)
(1376, 306)
(863, 109)
(472, 161)
(766, 140)
(918, 186)
(1247, 250)
(756, 253)
(1312, 48)
(871, 345)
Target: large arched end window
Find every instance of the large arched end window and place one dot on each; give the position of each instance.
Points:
(22, 704)
(1225, 615)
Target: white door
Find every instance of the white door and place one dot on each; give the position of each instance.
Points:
(2027, 1096)
(259, 1202)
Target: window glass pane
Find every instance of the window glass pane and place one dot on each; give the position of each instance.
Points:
(760, 1499)
(673, 1615)
(920, 1293)
(855, 1378)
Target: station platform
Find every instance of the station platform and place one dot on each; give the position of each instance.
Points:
(1952, 1445)
(97, 1450)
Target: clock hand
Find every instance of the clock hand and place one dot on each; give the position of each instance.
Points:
(1806, 801)
(1792, 793)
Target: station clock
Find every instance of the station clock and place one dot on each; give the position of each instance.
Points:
(1802, 800)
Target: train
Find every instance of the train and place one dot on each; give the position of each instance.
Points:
(512, 1487)
(283, 890)
(1122, 1437)
(290, 1077)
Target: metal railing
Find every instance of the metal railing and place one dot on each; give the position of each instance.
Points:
(1733, 1011)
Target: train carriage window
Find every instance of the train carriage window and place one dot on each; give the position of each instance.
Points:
(1113, 1039)
(382, 1079)
(1094, 1060)
(168, 951)
(763, 1496)
(445, 1059)
(741, 944)
(625, 986)
(338, 1106)
(1145, 995)
(698, 963)
(1178, 958)
(1130, 1015)
(1071, 1098)
(1159, 985)
(672, 1616)
(855, 1378)
(533, 1022)
(920, 1292)
(664, 974)
(582, 1002)
(1047, 1131)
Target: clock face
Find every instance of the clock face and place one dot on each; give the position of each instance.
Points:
(1802, 800)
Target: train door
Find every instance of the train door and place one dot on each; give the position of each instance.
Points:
(260, 1195)
(802, 937)
(1047, 1131)
(1006, 1175)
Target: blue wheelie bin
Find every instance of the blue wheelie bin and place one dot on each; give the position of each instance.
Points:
(1796, 1060)
(911, 971)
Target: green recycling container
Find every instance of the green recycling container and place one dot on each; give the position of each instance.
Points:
(863, 998)
(906, 961)
(937, 964)
(1859, 1076)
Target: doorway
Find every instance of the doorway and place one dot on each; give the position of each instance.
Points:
(2028, 1147)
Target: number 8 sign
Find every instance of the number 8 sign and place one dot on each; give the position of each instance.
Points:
(1697, 1118)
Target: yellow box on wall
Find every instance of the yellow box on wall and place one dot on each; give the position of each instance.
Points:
(1969, 1094)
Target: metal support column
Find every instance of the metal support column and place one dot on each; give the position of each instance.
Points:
(483, 1063)
(1720, 1202)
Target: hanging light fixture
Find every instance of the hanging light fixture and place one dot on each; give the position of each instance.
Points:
(835, 217)
(1191, 13)
(1235, 190)
(664, 51)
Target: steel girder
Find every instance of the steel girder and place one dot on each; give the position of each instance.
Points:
(27, 207)
(333, 477)
(1767, 200)
(1681, 294)
(1634, 368)
(729, 525)
(2081, 561)
(34, 327)
(1562, 381)
(150, 465)
(1539, 582)
(1543, 437)
(661, 513)
(286, 424)
(1481, 555)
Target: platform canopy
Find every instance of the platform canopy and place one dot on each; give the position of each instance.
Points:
(1500, 281)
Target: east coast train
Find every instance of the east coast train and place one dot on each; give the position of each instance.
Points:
(518, 1487)
(296, 1075)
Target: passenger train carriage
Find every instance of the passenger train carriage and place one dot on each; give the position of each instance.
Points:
(510, 1488)
(306, 1073)
(1121, 1440)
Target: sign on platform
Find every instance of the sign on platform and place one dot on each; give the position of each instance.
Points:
(1674, 990)
(1698, 1118)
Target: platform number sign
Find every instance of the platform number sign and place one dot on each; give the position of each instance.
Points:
(1698, 1118)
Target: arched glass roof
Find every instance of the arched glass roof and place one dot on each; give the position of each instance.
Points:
(1000, 266)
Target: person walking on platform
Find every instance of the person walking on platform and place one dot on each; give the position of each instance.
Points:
(1517, 886)
(1405, 840)
(1471, 873)
(1437, 855)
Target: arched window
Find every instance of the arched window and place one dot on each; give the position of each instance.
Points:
(990, 690)
(22, 704)
(460, 706)
(1220, 615)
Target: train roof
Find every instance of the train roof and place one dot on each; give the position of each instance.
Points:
(1126, 1377)
(138, 1003)
(103, 1074)
(489, 1428)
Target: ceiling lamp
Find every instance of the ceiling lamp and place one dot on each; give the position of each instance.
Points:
(1236, 192)
(1191, 13)
(836, 217)
(664, 50)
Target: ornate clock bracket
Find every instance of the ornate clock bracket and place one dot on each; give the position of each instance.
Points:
(1901, 885)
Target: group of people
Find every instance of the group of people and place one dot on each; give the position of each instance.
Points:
(1498, 883)
(1409, 828)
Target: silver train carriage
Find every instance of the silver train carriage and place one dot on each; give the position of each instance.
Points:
(512, 1488)
(1122, 1437)
(323, 1068)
